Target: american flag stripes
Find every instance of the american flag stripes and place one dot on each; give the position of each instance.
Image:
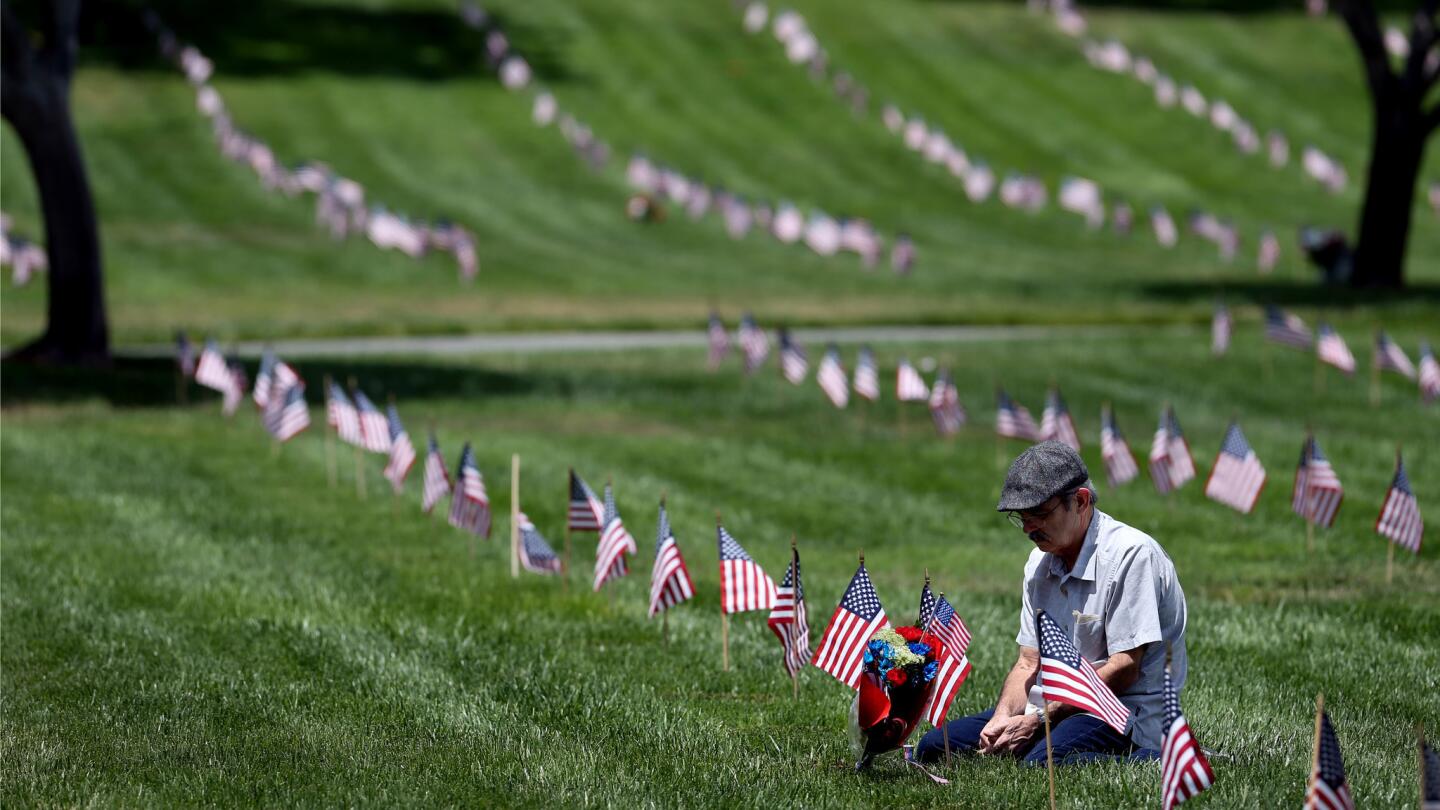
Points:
(1328, 789)
(753, 342)
(670, 582)
(857, 617)
(287, 413)
(469, 505)
(950, 628)
(236, 391)
(1286, 328)
(1237, 477)
(832, 379)
(213, 372)
(1120, 464)
(719, 341)
(793, 362)
(1429, 777)
(909, 385)
(341, 415)
(867, 376)
(184, 354)
(1184, 770)
(263, 379)
(402, 451)
(788, 619)
(1429, 374)
(1013, 420)
(1317, 492)
(945, 408)
(954, 669)
(586, 512)
(1331, 349)
(437, 478)
(615, 543)
(1171, 464)
(535, 554)
(1056, 423)
(1065, 676)
(1221, 326)
(744, 585)
(1388, 357)
(374, 429)
(1400, 515)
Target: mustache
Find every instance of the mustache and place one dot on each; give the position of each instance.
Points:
(1037, 536)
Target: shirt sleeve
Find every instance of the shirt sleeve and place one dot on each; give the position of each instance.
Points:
(1026, 637)
(1132, 606)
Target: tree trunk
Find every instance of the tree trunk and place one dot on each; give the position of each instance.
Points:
(1397, 145)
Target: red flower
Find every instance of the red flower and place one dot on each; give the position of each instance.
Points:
(896, 676)
(937, 647)
(910, 634)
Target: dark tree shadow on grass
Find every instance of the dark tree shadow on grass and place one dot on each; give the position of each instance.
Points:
(276, 38)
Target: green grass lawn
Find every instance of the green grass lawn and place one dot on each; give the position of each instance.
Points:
(395, 95)
(189, 619)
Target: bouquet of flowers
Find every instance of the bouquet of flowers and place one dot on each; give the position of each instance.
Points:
(895, 685)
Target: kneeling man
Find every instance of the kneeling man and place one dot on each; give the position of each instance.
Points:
(1112, 588)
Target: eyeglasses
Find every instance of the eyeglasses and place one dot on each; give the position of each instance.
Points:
(1018, 518)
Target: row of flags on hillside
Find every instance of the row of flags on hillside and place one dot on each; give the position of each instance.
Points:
(25, 257)
(1289, 329)
(1018, 190)
(340, 205)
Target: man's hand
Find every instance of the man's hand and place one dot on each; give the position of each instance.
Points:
(1010, 734)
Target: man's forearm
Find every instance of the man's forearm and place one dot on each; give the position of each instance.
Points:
(1015, 693)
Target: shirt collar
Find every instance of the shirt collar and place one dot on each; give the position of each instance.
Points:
(1085, 563)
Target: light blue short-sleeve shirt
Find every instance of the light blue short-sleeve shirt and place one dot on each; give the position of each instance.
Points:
(1122, 594)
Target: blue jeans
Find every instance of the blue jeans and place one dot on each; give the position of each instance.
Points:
(1077, 739)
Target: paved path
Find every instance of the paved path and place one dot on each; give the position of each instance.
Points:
(533, 342)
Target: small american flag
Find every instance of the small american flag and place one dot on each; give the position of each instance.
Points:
(832, 379)
(857, 617)
(1317, 492)
(615, 543)
(184, 354)
(236, 391)
(927, 606)
(1184, 770)
(753, 343)
(535, 554)
(719, 341)
(374, 429)
(212, 372)
(1400, 515)
(1388, 357)
(1065, 676)
(1237, 477)
(949, 627)
(1429, 778)
(793, 363)
(788, 618)
(670, 582)
(1331, 348)
(954, 669)
(1221, 326)
(264, 378)
(1013, 420)
(1328, 788)
(437, 478)
(287, 413)
(341, 415)
(867, 377)
(586, 512)
(945, 408)
(1120, 463)
(402, 451)
(469, 505)
(1056, 423)
(909, 385)
(744, 585)
(1286, 328)
(1429, 374)
(1171, 464)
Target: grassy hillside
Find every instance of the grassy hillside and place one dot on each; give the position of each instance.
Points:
(191, 619)
(395, 95)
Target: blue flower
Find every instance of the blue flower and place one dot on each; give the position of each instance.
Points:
(869, 659)
(920, 649)
(930, 670)
(878, 648)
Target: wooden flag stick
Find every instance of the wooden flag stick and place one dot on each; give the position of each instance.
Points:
(565, 560)
(1315, 747)
(1049, 754)
(1374, 382)
(724, 618)
(794, 674)
(665, 626)
(1309, 535)
(359, 466)
(514, 515)
(1389, 561)
(329, 438)
(944, 732)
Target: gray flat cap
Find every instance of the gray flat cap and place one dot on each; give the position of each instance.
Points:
(1041, 473)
